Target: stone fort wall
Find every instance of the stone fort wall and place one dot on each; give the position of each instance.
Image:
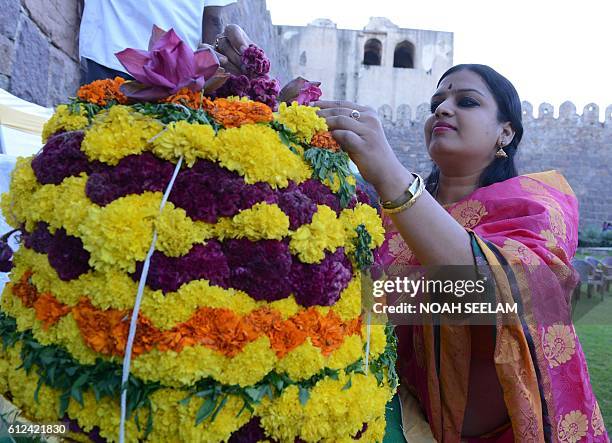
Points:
(579, 146)
(39, 62)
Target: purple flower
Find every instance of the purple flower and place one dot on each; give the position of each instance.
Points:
(265, 90)
(168, 66)
(254, 61)
(133, 174)
(301, 91)
(208, 191)
(39, 239)
(73, 426)
(6, 256)
(207, 262)
(61, 157)
(298, 207)
(321, 284)
(320, 194)
(67, 256)
(261, 268)
(201, 262)
(239, 85)
(361, 432)
(251, 432)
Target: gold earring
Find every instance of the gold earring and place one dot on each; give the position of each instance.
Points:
(501, 153)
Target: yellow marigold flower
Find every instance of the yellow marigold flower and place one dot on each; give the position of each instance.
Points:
(334, 185)
(365, 215)
(257, 153)
(192, 141)
(16, 202)
(378, 339)
(62, 206)
(349, 304)
(332, 412)
(324, 233)
(376, 430)
(258, 356)
(120, 233)
(301, 120)
(66, 120)
(177, 233)
(302, 362)
(287, 307)
(117, 133)
(350, 351)
(261, 221)
(23, 387)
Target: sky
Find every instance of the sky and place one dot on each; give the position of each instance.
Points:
(552, 51)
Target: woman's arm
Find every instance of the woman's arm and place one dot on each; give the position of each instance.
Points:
(430, 232)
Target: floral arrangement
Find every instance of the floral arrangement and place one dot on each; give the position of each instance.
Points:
(245, 221)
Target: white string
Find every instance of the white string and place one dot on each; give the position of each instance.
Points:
(367, 351)
(127, 359)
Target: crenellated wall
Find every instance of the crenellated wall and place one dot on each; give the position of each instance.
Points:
(578, 145)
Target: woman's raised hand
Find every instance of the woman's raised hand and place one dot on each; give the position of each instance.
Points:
(359, 131)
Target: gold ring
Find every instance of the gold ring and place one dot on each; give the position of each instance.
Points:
(217, 40)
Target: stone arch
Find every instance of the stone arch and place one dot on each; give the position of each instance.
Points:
(527, 109)
(567, 111)
(590, 114)
(608, 116)
(372, 52)
(546, 111)
(403, 56)
(404, 115)
(422, 112)
(385, 113)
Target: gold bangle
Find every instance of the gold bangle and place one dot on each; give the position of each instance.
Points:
(409, 197)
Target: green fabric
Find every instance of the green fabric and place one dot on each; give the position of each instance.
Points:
(393, 432)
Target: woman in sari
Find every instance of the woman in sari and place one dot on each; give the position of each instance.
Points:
(521, 380)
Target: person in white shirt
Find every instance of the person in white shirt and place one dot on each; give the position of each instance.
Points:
(110, 26)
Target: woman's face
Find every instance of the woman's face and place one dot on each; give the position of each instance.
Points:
(462, 132)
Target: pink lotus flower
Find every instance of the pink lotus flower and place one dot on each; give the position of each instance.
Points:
(300, 90)
(168, 66)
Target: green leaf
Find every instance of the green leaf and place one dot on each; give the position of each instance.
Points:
(304, 395)
(254, 394)
(223, 402)
(348, 384)
(185, 401)
(207, 408)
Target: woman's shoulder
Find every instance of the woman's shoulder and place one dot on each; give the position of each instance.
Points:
(552, 178)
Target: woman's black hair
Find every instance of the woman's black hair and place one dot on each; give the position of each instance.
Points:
(509, 110)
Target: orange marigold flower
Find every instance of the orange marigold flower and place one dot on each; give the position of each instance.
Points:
(220, 329)
(187, 97)
(286, 337)
(234, 113)
(101, 92)
(96, 326)
(49, 309)
(25, 290)
(325, 140)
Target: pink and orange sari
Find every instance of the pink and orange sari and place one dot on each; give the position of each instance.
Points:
(527, 230)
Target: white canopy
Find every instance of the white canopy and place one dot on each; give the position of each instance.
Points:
(21, 124)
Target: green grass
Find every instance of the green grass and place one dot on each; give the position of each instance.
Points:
(593, 322)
